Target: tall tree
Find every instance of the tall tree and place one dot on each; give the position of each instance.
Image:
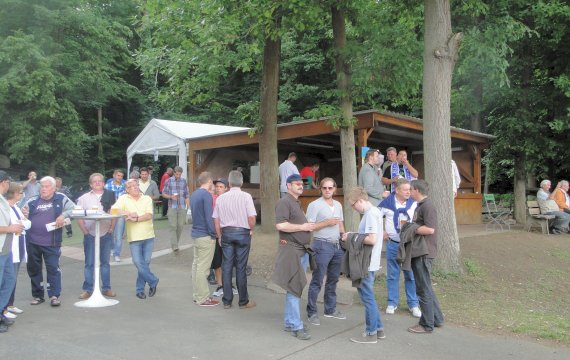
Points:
(440, 53)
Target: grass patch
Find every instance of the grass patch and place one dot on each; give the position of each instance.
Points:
(561, 254)
(472, 267)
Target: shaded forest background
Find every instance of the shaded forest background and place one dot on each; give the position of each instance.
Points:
(79, 79)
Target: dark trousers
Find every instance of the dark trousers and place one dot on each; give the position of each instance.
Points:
(164, 207)
(50, 255)
(236, 243)
(12, 297)
(328, 258)
(431, 312)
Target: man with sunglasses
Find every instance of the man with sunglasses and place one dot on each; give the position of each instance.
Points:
(326, 214)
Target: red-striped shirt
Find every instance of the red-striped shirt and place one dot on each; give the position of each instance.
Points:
(233, 208)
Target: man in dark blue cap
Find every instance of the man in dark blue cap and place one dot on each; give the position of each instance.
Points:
(292, 258)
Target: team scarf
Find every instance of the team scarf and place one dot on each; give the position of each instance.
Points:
(395, 171)
(390, 203)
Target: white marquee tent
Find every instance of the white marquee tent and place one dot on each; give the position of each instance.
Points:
(167, 137)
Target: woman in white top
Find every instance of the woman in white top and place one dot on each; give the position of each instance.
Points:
(13, 196)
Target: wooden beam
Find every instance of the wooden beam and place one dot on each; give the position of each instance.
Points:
(477, 172)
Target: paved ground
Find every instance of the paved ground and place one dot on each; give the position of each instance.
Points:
(170, 326)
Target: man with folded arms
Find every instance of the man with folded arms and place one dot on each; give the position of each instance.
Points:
(234, 219)
(97, 198)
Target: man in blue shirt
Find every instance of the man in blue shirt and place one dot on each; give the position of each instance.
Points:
(117, 185)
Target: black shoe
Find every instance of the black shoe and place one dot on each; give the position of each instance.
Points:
(141, 295)
(7, 321)
(152, 290)
(212, 278)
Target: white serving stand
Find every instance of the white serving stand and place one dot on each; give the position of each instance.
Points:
(96, 299)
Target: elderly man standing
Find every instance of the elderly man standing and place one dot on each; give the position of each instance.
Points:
(204, 236)
(7, 233)
(286, 169)
(292, 257)
(369, 176)
(234, 218)
(117, 185)
(326, 214)
(176, 190)
(137, 209)
(548, 206)
(101, 199)
(398, 208)
(44, 245)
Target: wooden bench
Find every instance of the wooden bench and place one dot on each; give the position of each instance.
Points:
(534, 217)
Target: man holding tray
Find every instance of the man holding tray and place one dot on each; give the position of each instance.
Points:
(100, 200)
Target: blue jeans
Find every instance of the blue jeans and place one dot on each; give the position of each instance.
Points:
(431, 312)
(7, 279)
(50, 255)
(12, 297)
(236, 243)
(118, 236)
(328, 258)
(393, 278)
(105, 252)
(371, 312)
(141, 252)
(292, 316)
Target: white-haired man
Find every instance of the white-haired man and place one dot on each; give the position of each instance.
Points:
(548, 206)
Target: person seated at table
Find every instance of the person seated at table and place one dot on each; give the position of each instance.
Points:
(309, 173)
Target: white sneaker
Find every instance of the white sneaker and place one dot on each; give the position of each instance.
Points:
(416, 312)
(15, 310)
(117, 259)
(9, 315)
(219, 292)
(235, 291)
(390, 309)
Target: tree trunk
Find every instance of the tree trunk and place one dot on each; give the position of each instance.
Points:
(476, 119)
(343, 82)
(269, 187)
(100, 155)
(520, 189)
(440, 53)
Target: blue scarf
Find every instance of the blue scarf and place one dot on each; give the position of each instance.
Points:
(390, 203)
(395, 171)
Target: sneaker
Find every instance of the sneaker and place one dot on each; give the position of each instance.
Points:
(212, 278)
(390, 309)
(418, 329)
(117, 259)
(288, 329)
(9, 315)
(314, 319)
(219, 292)
(301, 334)
(416, 312)
(15, 310)
(380, 334)
(365, 339)
(337, 315)
(235, 291)
(210, 302)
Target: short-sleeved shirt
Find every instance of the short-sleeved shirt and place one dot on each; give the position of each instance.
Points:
(44, 214)
(286, 169)
(176, 186)
(426, 214)
(288, 209)
(371, 223)
(306, 172)
(89, 201)
(137, 231)
(233, 208)
(318, 211)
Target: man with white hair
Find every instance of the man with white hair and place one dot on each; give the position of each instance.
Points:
(548, 206)
(45, 245)
(560, 195)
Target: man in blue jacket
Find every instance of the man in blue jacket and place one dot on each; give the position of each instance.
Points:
(49, 208)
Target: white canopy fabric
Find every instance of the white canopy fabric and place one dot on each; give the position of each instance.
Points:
(167, 137)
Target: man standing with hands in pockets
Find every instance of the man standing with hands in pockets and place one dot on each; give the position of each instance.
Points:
(176, 191)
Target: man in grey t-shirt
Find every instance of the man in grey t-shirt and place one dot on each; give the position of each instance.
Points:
(326, 214)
